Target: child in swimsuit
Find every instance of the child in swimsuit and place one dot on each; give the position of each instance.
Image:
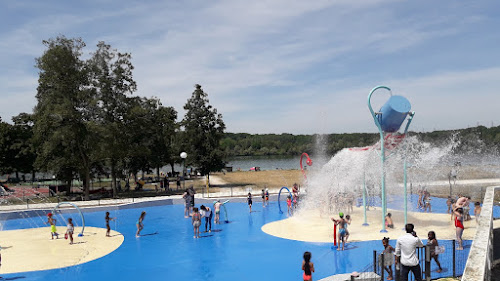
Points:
(388, 249)
(342, 229)
(217, 205)
(108, 229)
(52, 222)
(249, 200)
(196, 221)
(70, 229)
(432, 241)
(267, 196)
(139, 224)
(263, 198)
(289, 204)
(308, 267)
(388, 221)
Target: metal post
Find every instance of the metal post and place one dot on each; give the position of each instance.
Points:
(427, 262)
(405, 165)
(375, 261)
(183, 172)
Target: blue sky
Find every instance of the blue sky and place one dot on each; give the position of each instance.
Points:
(282, 66)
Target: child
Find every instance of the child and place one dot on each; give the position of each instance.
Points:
(69, 230)
(108, 229)
(52, 222)
(217, 205)
(432, 241)
(477, 210)
(308, 267)
(342, 229)
(267, 196)
(348, 222)
(427, 201)
(388, 221)
(139, 224)
(263, 195)
(196, 221)
(388, 250)
(249, 200)
(289, 204)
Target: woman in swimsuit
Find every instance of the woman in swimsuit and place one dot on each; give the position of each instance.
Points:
(459, 225)
(139, 224)
(308, 267)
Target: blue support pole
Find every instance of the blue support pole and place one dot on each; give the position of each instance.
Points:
(405, 166)
(382, 154)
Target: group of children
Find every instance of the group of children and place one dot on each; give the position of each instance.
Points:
(424, 200)
(343, 233)
(70, 228)
(207, 213)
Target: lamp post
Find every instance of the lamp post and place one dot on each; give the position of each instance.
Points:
(184, 155)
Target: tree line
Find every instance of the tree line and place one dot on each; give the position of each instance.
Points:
(243, 144)
(87, 122)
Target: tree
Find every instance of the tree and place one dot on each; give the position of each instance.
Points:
(7, 155)
(65, 115)
(203, 131)
(22, 134)
(111, 78)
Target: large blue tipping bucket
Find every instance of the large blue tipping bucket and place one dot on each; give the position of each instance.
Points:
(394, 113)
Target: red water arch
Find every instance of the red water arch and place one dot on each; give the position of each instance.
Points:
(308, 162)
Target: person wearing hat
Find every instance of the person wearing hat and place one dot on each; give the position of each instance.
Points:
(342, 229)
(52, 222)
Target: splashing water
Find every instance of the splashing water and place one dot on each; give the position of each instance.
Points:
(341, 179)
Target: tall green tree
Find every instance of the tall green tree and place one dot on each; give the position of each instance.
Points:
(7, 156)
(203, 130)
(65, 115)
(23, 147)
(163, 127)
(112, 79)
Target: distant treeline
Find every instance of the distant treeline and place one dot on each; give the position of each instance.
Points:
(243, 144)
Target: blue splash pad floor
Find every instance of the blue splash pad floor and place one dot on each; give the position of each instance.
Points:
(237, 250)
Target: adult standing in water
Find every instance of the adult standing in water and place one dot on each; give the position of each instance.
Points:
(406, 253)
(206, 212)
(187, 203)
(459, 226)
(191, 192)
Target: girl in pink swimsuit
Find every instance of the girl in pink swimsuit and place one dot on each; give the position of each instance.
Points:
(308, 267)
